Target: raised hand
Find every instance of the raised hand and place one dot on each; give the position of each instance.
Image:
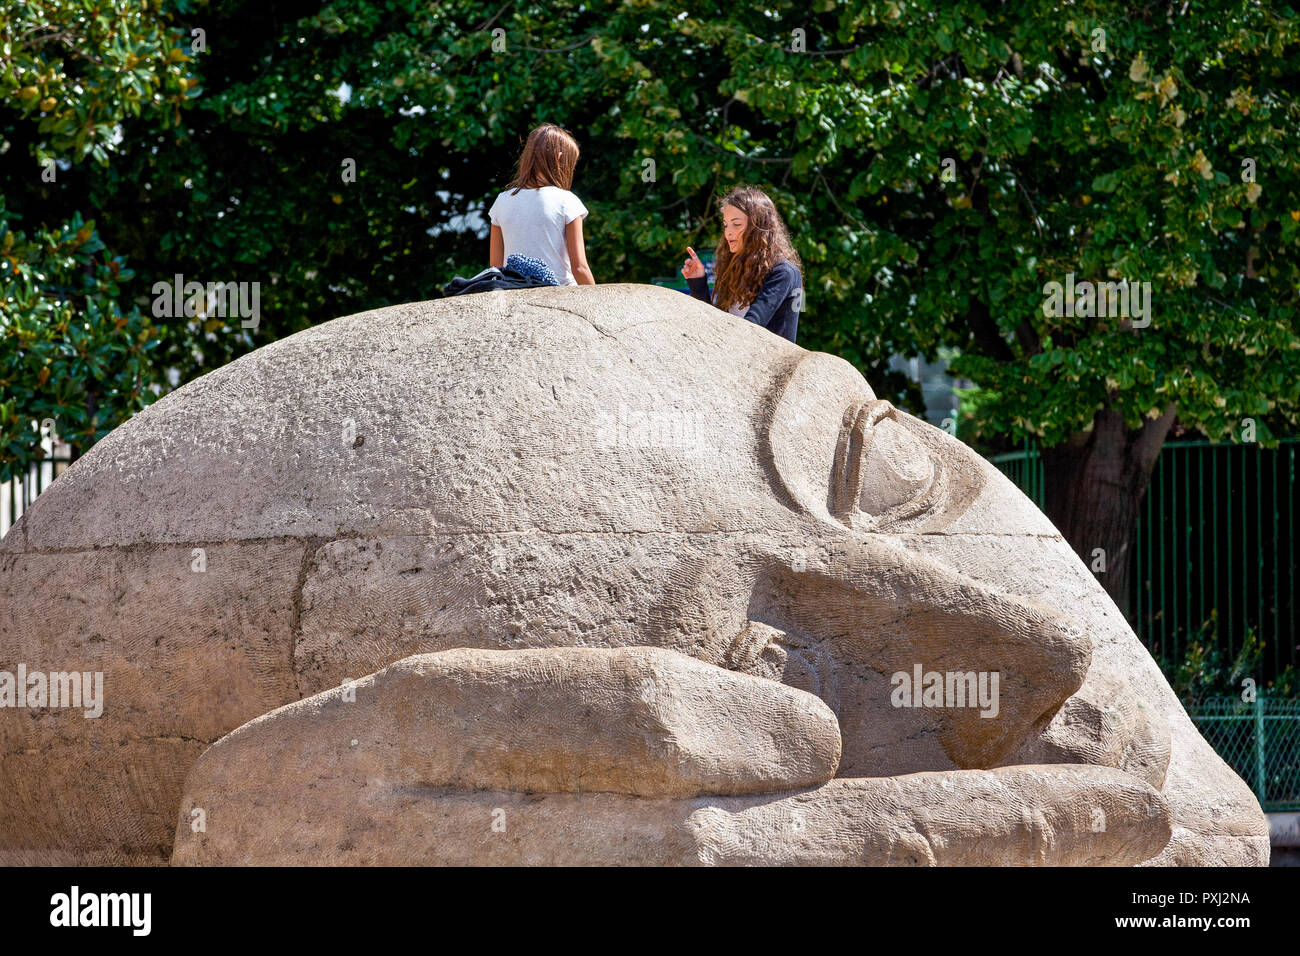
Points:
(692, 268)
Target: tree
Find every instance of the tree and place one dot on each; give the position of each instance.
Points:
(73, 360)
(940, 164)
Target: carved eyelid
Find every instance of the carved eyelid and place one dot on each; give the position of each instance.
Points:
(856, 434)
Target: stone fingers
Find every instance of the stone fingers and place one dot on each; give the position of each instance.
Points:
(639, 721)
(1045, 815)
(1058, 815)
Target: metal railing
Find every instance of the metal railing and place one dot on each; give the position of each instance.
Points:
(1259, 740)
(17, 495)
(1215, 542)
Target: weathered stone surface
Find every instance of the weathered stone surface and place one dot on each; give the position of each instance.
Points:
(853, 615)
(613, 466)
(185, 656)
(640, 721)
(1061, 815)
(1125, 712)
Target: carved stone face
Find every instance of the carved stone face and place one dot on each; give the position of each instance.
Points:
(610, 466)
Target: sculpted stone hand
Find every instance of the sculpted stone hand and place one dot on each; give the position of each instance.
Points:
(633, 755)
(644, 577)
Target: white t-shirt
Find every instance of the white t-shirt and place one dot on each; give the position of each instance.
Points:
(532, 223)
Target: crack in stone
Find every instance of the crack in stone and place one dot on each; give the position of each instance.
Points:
(586, 318)
(147, 546)
(310, 547)
(80, 742)
(515, 532)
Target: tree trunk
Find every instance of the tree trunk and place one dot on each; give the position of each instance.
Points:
(1093, 488)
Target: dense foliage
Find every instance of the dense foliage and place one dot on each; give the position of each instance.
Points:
(75, 352)
(938, 163)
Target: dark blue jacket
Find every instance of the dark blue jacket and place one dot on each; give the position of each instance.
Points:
(492, 279)
(775, 306)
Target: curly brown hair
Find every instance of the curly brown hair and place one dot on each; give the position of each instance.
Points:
(763, 244)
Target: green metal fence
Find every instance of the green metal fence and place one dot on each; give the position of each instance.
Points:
(1216, 539)
(1025, 468)
(1258, 739)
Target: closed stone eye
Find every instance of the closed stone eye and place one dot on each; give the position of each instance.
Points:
(870, 467)
(881, 471)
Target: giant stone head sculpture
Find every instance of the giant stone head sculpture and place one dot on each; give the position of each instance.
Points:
(595, 485)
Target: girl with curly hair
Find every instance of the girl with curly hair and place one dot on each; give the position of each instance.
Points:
(758, 273)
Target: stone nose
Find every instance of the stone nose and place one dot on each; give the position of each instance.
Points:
(933, 670)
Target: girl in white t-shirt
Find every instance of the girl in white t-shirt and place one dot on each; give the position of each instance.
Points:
(537, 218)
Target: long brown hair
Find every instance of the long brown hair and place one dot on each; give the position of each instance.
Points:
(763, 244)
(548, 159)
